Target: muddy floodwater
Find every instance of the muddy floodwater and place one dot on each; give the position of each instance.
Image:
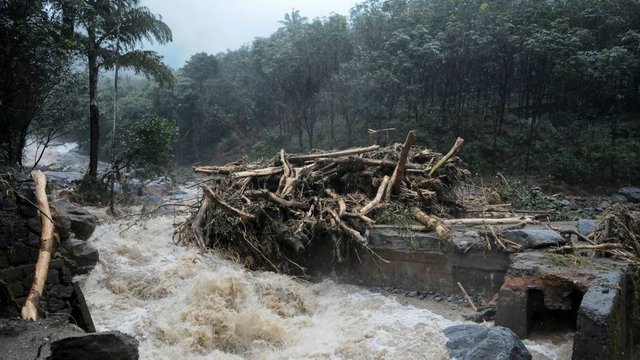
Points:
(182, 303)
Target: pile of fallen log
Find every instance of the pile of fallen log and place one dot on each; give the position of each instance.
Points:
(268, 214)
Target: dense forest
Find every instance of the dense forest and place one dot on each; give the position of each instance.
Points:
(534, 87)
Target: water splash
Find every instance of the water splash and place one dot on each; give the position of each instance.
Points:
(181, 303)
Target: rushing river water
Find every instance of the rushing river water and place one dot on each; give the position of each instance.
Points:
(182, 303)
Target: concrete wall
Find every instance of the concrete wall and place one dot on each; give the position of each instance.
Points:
(608, 324)
(422, 261)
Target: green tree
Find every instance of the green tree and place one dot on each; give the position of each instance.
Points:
(109, 33)
(34, 56)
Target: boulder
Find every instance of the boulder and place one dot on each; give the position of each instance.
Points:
(630, 193)
(100, 346)
(152, 202)
(79, 255)
(586, 227)
(471, 342)
(617, 199)
(488, 314)
(534, 238)
(83, 223)
(21, 339)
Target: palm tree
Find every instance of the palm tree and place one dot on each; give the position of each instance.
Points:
(110, 31)
(293, 20)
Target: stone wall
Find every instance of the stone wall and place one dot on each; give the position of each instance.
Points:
(19, 246)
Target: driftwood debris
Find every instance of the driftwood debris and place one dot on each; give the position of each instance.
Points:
(271, 214)
(30, 308)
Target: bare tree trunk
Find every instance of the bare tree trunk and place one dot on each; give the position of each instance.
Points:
(30, 307)
(94, 113)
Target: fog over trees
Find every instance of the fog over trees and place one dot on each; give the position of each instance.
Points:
(548, 87)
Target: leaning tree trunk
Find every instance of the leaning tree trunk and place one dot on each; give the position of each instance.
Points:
(30, 307)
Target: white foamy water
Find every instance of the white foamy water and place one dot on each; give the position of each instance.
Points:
(181, 303)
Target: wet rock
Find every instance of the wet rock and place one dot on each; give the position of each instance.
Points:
(470, 342)
(21, 339)
(80, 256)
(100, 346)
(617, 199)
(488, 314)
(586, 227)
(534, 239)
(630, 193)
(152, 202)
(83, 223)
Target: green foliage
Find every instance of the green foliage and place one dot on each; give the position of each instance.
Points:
(34, 57)
(544, 87)
(148, 146)
(524, 196)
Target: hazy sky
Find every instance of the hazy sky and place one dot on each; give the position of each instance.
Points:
(213, 26)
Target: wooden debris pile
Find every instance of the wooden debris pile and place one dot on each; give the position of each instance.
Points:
(271, 214)
(617, 235)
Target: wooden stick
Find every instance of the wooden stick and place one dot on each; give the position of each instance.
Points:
(30, 307)
(347, 229)
(258, 172)
(370, 222)
(604, 246)
(378, 198)
(278, 200)
(571, 232)
(432, 223)
(354, 151)
(466, 296)
(456, 147)
(491, 221)
(228, 208)
(371, 162)
(342, 206)
(398, 173)
(211, 170)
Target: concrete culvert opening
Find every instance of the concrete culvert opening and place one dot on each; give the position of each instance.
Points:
(554, 316)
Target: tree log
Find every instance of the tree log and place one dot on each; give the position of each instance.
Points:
(456, 147)
(378, 198)
(196, 225)
(398, 173)
(432, 223)
(228, 208)
(488, 221)
(354, 151)
(368, 162)
(30, 308)
(258, 172)
(212, 170)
